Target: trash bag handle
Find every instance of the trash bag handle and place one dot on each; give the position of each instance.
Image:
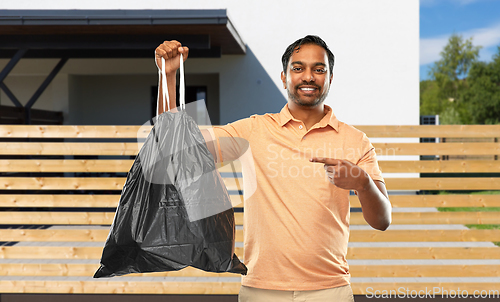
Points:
(162, 78)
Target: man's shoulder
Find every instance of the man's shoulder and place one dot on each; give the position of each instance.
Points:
(262, 118)
(349, 130)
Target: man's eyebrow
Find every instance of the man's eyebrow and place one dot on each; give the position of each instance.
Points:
(300, 63)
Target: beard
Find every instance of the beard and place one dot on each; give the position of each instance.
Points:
(306, 101)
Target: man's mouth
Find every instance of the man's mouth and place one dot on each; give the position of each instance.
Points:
(308, 89)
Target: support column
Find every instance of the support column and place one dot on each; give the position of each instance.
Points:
(42, 88)
(5, 72)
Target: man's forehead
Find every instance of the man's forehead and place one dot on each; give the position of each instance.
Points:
(297, 54)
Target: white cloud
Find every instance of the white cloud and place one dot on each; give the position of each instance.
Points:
(485, 37)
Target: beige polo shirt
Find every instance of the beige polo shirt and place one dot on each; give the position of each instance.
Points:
(296, 223)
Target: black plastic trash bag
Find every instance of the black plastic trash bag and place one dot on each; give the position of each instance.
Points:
(174, 210)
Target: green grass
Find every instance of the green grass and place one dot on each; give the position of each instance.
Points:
(474, 209)
(469, 209)
(470, 193)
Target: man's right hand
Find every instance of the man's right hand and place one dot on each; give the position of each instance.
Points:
(170, 51)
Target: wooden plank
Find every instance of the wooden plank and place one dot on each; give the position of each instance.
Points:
(120, 287)
(62, 183)
(450, 290)
(436, 218)
(228, 169)
(423, 253)
(69, 218)
(436, 270)
(50, 252)
(70, 148)
(57, 218)
(415, 201)
(68, 131)
(70, 165)
(391, 149)
(55, 235)
(61, 252)
(387, 149)
(65, 235)
(440, 166)
(72, 201)
(88, 270)
(77, 183)
(232, 288)
(424, 235)
(431, 131)
(116, 165)
(443, 183)
(361, 253)
(63, 200)
(100, 218)
(100, 235)
(116, 183)
(111, 201)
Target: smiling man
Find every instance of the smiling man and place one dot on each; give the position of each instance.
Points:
(296, 223)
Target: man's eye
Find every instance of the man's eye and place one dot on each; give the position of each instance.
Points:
(296, 68)
(321, 70)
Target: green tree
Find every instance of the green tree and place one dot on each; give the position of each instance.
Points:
(443, 94)
(431, 102)
(482, 98)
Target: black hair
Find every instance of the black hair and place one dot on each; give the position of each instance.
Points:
(309, 39)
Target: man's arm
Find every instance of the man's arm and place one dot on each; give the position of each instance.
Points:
(375, 204)
(210, 142)
(372, 194)
(170, 51)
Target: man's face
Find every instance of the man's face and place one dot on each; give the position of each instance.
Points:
(308, 77)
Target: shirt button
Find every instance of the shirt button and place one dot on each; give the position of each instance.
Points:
(300, 127)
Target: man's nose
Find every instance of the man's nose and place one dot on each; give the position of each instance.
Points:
(308, 76)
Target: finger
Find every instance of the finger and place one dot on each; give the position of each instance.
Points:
(169, 48)
(175, 43)
(331, 178)
(329, 168)
(185, 52)
(327, 161)
(159, 51)
(175, 52)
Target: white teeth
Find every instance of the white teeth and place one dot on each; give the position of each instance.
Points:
(308, 89)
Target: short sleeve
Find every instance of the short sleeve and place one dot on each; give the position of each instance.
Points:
(232, 140)
(368, 161)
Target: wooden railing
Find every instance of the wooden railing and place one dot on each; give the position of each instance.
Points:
(56, 205)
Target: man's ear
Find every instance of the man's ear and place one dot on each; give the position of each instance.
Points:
(283, 79)
(331, 77)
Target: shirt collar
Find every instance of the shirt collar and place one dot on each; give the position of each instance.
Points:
(329, 119)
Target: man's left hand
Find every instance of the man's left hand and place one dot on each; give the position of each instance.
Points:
(343, 173)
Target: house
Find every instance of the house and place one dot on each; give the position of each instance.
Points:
(104, 71)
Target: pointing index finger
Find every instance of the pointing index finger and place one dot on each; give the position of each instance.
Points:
(326, 161)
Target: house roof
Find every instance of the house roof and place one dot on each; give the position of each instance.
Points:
(115, 33)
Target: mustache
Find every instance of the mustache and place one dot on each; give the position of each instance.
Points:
(308, 84)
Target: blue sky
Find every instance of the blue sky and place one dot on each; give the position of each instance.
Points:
(439, 19)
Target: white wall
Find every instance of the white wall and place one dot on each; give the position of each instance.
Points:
(375, 42)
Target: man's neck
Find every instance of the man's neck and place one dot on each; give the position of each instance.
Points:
(308, 115)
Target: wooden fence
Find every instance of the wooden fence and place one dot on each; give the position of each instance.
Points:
(57, 200)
